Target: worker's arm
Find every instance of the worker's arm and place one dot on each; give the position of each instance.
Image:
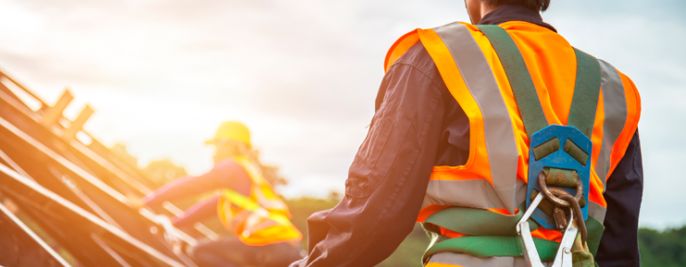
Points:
(227, 174)
(200, 211)
(389, 175)
(619, 244)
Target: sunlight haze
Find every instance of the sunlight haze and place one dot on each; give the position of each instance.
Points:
(303, 75)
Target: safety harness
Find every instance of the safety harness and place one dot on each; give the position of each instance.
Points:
(559, 177)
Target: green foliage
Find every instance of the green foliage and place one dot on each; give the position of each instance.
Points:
(408, 254)
(302, 208)
(664, 249)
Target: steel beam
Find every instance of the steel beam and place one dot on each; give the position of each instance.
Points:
(93, 162)
(21, 247)
(86, 221)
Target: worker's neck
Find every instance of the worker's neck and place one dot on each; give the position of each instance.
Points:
(485, 9)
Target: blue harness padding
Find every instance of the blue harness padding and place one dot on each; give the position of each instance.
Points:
(559, 159)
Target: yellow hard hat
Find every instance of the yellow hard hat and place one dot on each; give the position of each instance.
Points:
(231, 130)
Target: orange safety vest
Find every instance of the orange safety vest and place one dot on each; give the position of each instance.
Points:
(260, 219)
(496, 173)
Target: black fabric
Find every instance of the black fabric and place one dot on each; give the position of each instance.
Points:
(418, 125)
(453, 145)
(507, 13)
(619, 245)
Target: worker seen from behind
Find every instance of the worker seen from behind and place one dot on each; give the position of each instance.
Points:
(508, 144)
(246, 204)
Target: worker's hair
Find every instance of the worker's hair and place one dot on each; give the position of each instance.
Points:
(538, 5)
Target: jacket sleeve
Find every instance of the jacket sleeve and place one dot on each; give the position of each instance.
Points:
(619, 244)
(198, 212)
(227, 174)
(183, 188)
(387, 179)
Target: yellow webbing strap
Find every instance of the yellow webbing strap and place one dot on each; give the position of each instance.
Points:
(246, 203)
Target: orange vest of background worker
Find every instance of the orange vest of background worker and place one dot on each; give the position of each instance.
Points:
(246, 204)
(496, 101)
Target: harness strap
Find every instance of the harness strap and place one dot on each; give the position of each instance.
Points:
(586, 93)
(492, 246)
(499, 246)
(478, 222)
(490, 234)
(586, 88)
(518, 74)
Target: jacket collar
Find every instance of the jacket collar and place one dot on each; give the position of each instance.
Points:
(507, 13)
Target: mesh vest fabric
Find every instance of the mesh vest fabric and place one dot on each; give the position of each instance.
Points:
(260, 219)
(495, 176)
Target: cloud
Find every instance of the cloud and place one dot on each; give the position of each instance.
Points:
(303, 74)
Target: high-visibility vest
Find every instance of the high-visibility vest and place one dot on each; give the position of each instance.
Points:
(496, 174)
(260, 219)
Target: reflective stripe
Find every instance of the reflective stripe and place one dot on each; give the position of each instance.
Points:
(615, 116)
(436, 264)
(457, 259)
(596, 211)
(254, 174)
(256, 219)
(477, 193)
(499, 133)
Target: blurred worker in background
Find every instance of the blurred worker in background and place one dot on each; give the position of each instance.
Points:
(450, 136)
(246, 204)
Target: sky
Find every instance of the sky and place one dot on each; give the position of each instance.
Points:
(303, 75)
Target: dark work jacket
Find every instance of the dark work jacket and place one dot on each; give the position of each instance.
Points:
(419, 125)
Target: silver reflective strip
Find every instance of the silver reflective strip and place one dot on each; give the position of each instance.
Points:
(614, 101)
(499, 133)
(477, 193)
(596, 211)
(458, 259)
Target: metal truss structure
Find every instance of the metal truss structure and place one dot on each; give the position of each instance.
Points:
(63, 194)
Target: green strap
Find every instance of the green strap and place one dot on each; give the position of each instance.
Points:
(595, 231)
(586, 93)
(492, 246)
(520, 79)
(504, 246)
(586, 88)
(478, 222)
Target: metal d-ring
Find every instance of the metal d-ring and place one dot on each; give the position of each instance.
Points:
(577, 215)
(548, 193)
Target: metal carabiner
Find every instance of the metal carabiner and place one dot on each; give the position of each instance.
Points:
(563, 257)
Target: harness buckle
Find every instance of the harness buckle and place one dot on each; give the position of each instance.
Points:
(563, 257)
(560, 158)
